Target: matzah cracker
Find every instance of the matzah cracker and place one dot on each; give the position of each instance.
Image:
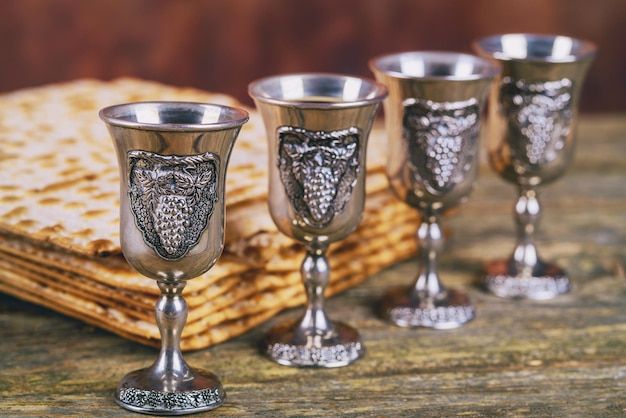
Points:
(272, 293)
(59, 220)
(60, 179)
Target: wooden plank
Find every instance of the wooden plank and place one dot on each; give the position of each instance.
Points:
(563, 357)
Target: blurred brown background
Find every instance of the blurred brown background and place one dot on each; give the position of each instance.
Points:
(222, 45)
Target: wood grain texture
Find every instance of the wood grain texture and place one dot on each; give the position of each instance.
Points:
(563, 357)
(222, 46)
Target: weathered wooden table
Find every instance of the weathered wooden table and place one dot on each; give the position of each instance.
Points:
(563, 357)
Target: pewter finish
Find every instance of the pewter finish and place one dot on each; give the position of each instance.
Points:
(148, 401)
(441, 139)
(172, 129)
(317, 127)
(432, 119)
(538, 288)
(338, 346)
(532, 138)
(535, 50)
(338, 355)
(172, 158)
(449, 310)
(319, 171)
(322, 91)
(539, 120)
(172, 198)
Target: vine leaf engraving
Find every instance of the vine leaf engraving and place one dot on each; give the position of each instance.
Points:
(318, 170)
(539, 115)
(441, 140)
(172, 198)
(152, 400)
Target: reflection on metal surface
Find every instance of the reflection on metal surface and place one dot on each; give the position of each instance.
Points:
(318, 171)
(172, 198)
(317, 128)
(432, 118)
(172, 230)
(532, 141)
(539, 115)
(441, 139)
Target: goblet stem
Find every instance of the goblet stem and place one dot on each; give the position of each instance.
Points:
(524, 274)
(430, 240)
(314, 340)
(527, 214)
(170, 386)
(427, 303)
(171, 316)
(315, 272)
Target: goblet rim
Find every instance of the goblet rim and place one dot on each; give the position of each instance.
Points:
(486, 46)
(377, 91)
(121, 115)
(489, 68)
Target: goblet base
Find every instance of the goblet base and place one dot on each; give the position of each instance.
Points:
(405, 308)
(291, 345)
(546, 281)
(143, 391)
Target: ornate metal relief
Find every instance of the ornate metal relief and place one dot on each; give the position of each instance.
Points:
(318, 171)
(431, 317)
(539, 116)
(174, 403)
(441, 141)
(318, 356)
(172, 198)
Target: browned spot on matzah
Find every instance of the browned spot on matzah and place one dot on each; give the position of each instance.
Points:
(75, 205)
(70, 172)
(26, 224)
(84, 233)
(101, 247)
(7, 157)
(45, 157)
(61, 185)
(17, 212)
(105, 196)
(68, 141)
(50, 201)
(95, 213)
(88, 189)
(53, 229)
(10, 199)
(99, 156)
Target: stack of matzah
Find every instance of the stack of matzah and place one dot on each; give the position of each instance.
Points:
(59, 237)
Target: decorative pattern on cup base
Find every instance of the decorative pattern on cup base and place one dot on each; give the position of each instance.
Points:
(537, 288)
(179, 402)
(291, 349)
(399, 307)
(546, 283)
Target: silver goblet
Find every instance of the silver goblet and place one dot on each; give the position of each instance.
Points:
(317, 128)
(172, 158)
(432, 120)
(532, 123)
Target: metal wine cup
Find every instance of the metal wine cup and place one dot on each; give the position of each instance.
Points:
(432, 119)
(172, 158)
(532, 135)
(317, 127)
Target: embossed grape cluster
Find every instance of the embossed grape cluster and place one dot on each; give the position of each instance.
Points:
(444, 158)
(538, 126)
(319, 190)
(171, 219)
